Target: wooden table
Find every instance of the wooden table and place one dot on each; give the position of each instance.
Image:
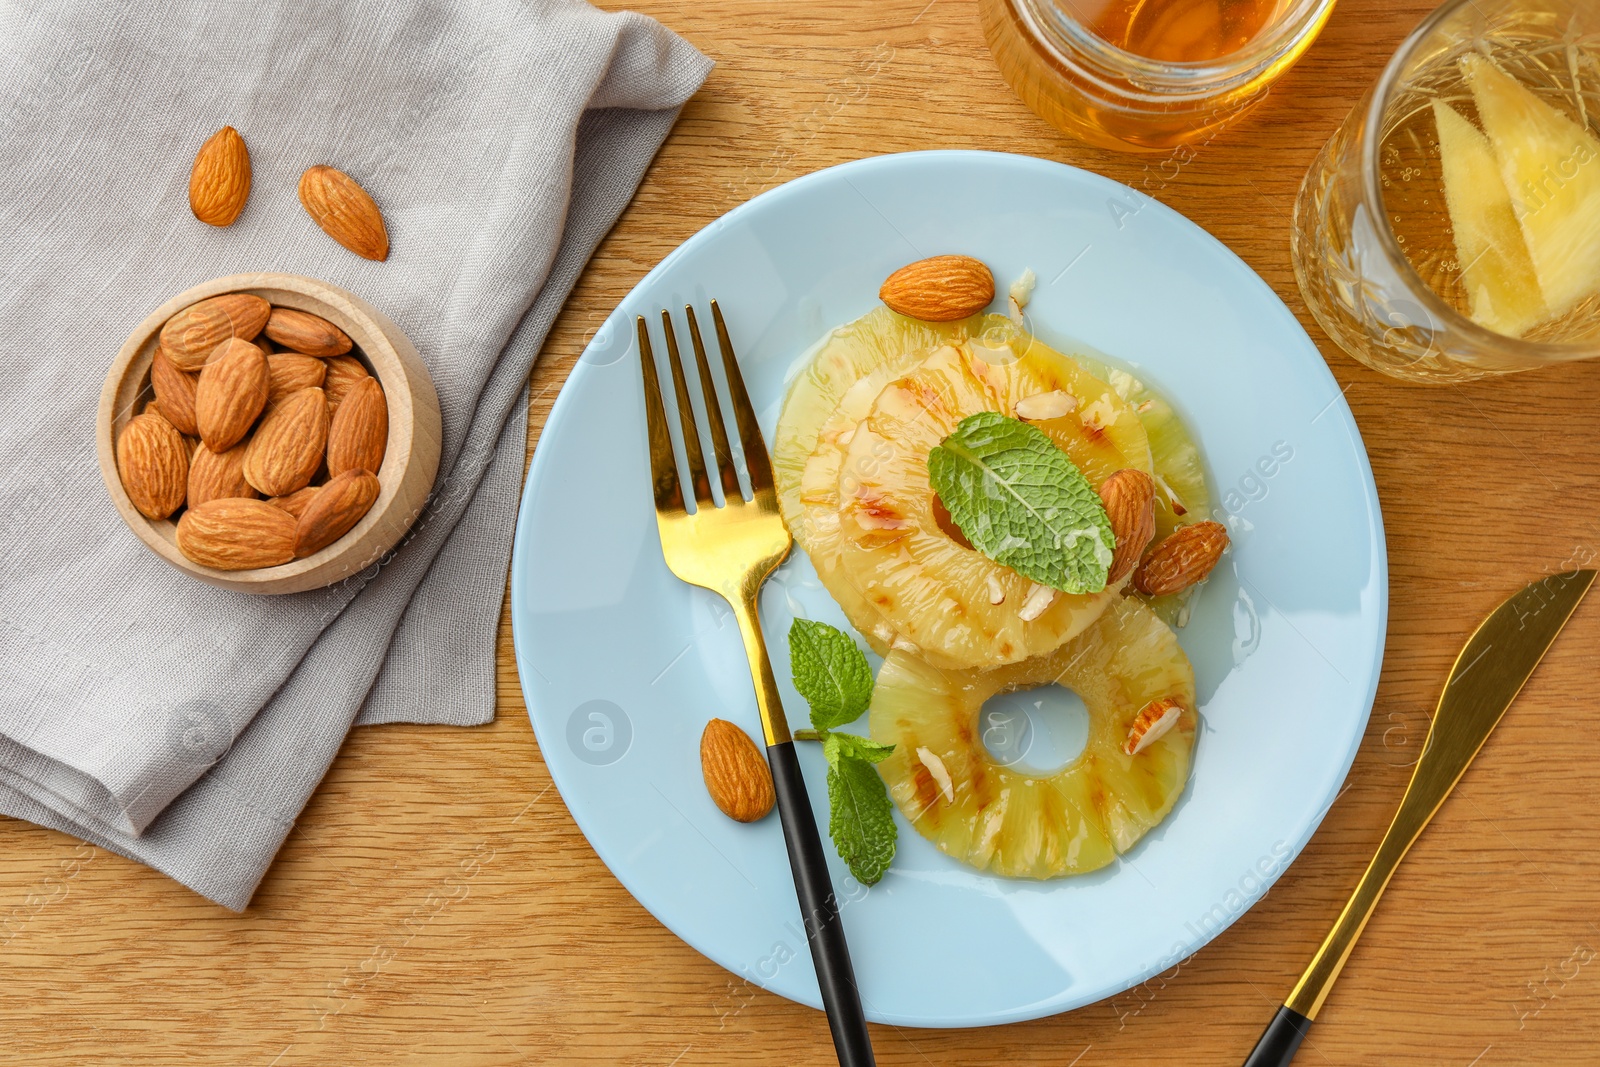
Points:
(437, 905)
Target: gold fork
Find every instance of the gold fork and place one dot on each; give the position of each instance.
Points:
(731, 549)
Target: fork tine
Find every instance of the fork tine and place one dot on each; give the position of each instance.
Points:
(723, 455)
(755, 449)
(691, 436)
(666, 487)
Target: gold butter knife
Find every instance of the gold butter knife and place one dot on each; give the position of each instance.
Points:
(1488, 674)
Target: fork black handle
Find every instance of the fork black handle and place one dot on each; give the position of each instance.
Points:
(819, 909)
(1280, 1040)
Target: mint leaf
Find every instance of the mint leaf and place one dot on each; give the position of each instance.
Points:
(1022, 502)
(830, 672)
(837, 746)
(861, 818)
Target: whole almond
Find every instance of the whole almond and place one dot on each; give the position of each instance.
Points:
(230, 394)
(296, 502)
(737, 777)
(344, 211)
(217, 475)
(1130, 499)
(290, 372)
(287, 447)
(233, 534)
(334, 510)
(1184, 558)
(343, 373)
(190, 336)
(939, 289)
(175, 389)
(154, 465)
(219, 184)
(308, 334)
(359, 432)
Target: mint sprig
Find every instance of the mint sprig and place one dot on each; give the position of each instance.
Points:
(836, 680)
(1022, 502)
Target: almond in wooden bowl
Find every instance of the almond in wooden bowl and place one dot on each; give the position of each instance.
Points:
(238, 545)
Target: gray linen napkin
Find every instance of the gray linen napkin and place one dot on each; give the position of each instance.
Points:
(183, 725)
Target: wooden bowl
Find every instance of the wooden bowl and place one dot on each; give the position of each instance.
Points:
(410, 460)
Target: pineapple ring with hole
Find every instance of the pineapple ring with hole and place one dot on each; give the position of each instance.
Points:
(846, 355)
(940, 599)
(1016, 822)
(1177, 467)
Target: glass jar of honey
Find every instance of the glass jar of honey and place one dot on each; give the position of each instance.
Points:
(1147, 75)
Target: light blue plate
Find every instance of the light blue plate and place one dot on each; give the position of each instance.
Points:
(622, 664)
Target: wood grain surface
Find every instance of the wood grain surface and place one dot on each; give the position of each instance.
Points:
(436, 903)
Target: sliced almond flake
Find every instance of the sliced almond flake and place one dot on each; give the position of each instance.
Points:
(936, 768)
(1021, 290)
(1051, 405)
(845, 437)
(1152, 723)
(992, 825)
(997, 592)
(1172, 498)
(1039, 597)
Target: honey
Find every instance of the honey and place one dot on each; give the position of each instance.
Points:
(1177, 31)
(1147, 75)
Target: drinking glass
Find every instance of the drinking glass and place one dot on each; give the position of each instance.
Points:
(1373, 245)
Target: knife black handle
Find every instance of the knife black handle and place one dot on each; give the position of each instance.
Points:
(819, 908)
(1280, 1040)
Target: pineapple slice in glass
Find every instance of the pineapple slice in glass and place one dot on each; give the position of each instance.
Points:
(1551, 169)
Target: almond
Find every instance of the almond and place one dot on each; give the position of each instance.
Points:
(219, 184)
(290, 372)
(287, 447)
(1130, 499)
(343, 372)
(263, 342)
(308, 334)
(175, 389)
(359, 433)
(1184, 558)
(334, 510)
(231, 534)
(737, 777)
(939, 289)
(344, 211)
(296, 502)
(216, 475)
(154, 465)
(231, 393)
(190, 336)
(1154, 721)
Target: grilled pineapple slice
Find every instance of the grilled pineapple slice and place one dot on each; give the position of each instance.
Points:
(1020, 823)
(843, 358)
(819, 496)
(949, 604)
